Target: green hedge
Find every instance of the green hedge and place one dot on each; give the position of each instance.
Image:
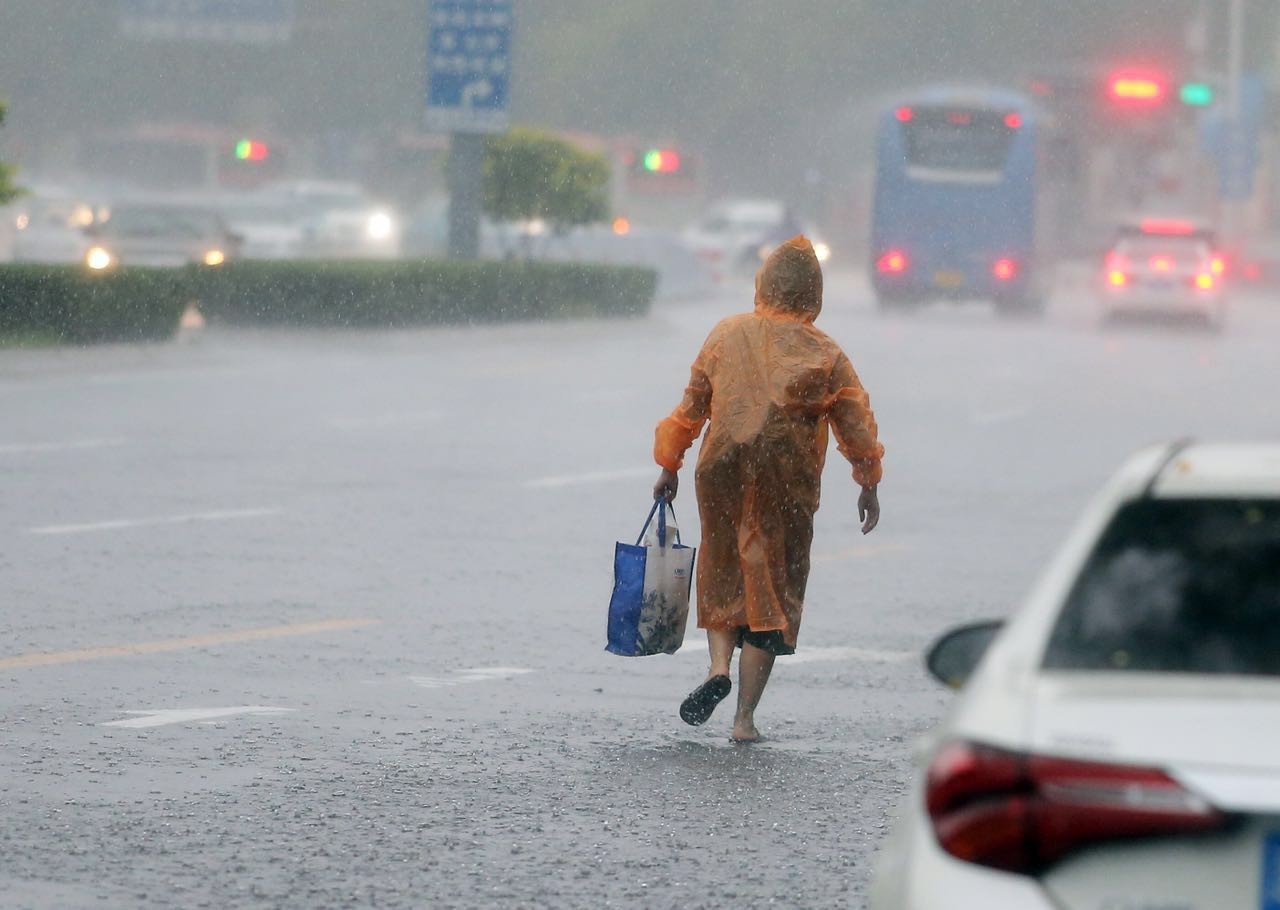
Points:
(70, 304)
(67, 303)
(419, 292)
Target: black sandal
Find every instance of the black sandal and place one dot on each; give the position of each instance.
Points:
(695, 709)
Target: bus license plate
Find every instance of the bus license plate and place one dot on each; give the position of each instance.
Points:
(949, 279)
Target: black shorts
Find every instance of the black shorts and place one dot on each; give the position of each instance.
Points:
(771, 642)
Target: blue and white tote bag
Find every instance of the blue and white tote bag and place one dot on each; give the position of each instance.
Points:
(651, 585)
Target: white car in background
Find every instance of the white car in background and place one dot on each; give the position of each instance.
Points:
(734, 233)
(338, 220)
(49, 227)
(1118, 745)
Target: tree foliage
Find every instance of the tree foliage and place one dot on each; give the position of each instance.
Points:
(532, 174)
(7, 189)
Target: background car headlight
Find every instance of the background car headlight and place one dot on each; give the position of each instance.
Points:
(98, 259)
(822, 251)
(381, 226)
(215, 257)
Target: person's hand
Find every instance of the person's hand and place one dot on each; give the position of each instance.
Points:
(869, 509)
(667, 486)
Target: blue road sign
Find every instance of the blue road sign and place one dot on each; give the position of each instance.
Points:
(214, 21)
(1236, 146)
(468, 65)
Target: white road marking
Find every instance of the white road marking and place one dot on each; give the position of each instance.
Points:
(70, 446)
(382, 421)
(577, 480)
(120, 524)
(820, 655)
(463, 677)
(189, 715)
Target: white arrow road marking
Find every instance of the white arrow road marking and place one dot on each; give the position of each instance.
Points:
(189, 715)
(70, 446)
(120, 524)
(820, 655)
(462, 677)
(576, 480)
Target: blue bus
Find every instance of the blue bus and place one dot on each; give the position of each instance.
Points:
(961, 202)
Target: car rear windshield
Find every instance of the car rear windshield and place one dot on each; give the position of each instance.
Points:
(1169, 246)
(948, 139)
(1178, 586)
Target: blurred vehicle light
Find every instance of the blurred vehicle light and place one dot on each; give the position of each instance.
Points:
(99, 259)
(892, 262)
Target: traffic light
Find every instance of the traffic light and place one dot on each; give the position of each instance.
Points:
(660, 161)
(252, 150)
(1137, 89)
(1196, 94)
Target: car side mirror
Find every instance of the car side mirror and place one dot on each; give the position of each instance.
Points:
(953, 657)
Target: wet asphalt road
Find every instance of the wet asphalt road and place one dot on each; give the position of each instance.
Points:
(346, 592)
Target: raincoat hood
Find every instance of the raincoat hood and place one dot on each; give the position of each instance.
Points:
(790, 281)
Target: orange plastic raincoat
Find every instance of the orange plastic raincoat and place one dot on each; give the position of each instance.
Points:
(770, 383)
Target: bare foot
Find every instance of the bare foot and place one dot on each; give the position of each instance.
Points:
(744, 731)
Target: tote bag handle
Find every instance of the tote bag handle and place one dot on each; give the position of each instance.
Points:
(660, 507)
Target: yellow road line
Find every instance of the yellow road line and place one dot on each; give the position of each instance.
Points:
(48, 658)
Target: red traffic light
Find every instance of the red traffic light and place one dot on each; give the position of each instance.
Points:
(251, 150)
(1136, 88)
(661, 161)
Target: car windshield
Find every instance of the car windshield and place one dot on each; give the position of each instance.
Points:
(1178, 586)
(957, 140)
(1162, 246)
(161, 223)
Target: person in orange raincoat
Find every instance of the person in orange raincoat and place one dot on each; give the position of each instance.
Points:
(770, 384)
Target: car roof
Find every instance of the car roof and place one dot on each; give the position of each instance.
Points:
(1216, 470)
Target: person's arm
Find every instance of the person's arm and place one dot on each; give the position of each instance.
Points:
(678, 430)
(854, 424)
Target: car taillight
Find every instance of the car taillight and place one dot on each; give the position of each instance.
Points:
(892, 262)
(1004, 269)
(1218, 265)
(1022, 813)
(1204, 281)
(1117, 269)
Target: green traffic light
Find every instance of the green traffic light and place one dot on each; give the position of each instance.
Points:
(1197, 94)
(653, 160)
(243, 148)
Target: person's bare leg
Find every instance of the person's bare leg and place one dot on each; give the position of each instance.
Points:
(754, 667)
(721, 642)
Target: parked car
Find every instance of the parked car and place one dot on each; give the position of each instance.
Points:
(1115, 744)
(153, 234)
(1165, 267)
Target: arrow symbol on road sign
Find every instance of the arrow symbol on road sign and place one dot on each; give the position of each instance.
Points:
(476, 91)
(190, 715)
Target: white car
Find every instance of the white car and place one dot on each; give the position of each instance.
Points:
(1118, 745)
(734, 234)
(1165, 267)
(51, 228)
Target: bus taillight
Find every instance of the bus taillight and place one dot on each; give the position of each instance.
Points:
(1013, 120)
(892, 262)
(904, 114)
(1004, 269)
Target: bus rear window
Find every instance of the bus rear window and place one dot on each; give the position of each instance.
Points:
(950, 139)
(1178, 586)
